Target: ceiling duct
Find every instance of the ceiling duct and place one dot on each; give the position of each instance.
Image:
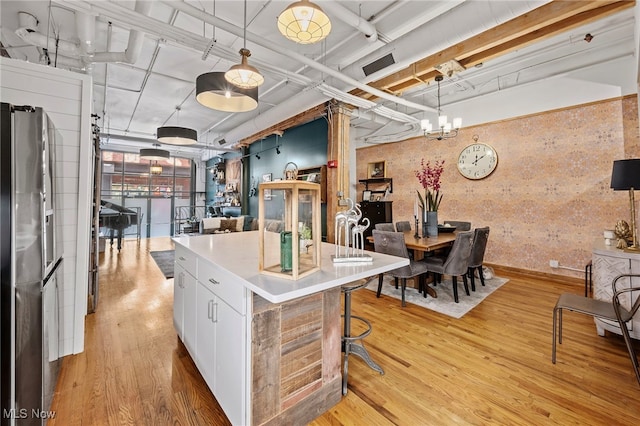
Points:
(377, 65)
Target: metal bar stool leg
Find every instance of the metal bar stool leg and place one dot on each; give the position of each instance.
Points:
(350, 344)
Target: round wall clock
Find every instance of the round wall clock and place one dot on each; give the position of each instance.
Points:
(477, 161)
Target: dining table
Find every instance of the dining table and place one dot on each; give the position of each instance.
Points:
(421, 245)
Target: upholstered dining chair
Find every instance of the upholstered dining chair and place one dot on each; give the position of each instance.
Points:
(611, 310)
(460, 226)
(403, 225)
(387, 226)
(480, 238)
(455, 264)
(392, 243)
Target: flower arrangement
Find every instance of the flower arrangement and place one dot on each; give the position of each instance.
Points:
(429, 178)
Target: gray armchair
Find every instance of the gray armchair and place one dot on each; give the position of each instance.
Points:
(385, 227)
(480, 238)
(460, 226)
(392, 243)
(456, 263)
(403, 225)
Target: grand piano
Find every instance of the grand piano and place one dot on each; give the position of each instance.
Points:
(116, 219)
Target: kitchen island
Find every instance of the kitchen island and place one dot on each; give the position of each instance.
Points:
(268, 348)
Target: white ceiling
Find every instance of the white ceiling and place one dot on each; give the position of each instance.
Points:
(133, 99)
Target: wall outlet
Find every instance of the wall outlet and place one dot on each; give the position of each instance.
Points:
(554, 263)
(343, 203)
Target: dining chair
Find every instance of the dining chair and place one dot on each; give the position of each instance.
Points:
(610, 310)
(386, 226)
(480, 238)
(460, 226)
(455, 264)
(403, 225)
(392, 243)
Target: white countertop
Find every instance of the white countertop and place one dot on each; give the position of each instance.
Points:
(237, 253)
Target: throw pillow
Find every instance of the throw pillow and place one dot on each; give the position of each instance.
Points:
(248, 222)
(228, 224)
(239, 223)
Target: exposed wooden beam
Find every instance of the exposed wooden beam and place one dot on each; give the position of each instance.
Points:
(296, 120)
(543, 22)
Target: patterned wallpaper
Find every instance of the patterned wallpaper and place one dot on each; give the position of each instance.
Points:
(549, 197)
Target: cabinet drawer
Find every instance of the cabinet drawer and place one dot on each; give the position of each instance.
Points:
(223, 285)
(186, 259)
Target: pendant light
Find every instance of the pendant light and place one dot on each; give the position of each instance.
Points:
(176, 135)
(215, 92)
(244, 75)
(304, 22)
(154, 153)
(155, 168)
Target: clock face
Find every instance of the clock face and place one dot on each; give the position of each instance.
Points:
(477, 161)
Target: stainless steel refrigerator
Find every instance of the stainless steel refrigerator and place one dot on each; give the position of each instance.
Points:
(31, 265)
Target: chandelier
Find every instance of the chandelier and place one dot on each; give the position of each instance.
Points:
(445, 130)
(155, 168)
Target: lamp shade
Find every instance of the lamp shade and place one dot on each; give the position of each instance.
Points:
(215, 92)
(174, 135)
(626, 174)
(244, 75)
(154, 154)
(304, 23)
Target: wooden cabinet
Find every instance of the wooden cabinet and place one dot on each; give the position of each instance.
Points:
(317, 174)
(608, 263)
(376, 212)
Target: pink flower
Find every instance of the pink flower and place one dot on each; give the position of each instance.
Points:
(429, 178)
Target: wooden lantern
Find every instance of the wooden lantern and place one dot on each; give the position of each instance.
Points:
(288, 211)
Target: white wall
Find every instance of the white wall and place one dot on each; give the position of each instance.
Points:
(66, 97)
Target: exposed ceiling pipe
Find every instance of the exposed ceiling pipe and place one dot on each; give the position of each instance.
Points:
(28, 32)
(462, 23)
(134, 46)
(350, 18)
(260, 41)
(86, 32)
(86, 29)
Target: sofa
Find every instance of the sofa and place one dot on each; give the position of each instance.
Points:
(222, 225)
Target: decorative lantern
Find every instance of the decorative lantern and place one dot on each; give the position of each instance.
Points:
(289, 227)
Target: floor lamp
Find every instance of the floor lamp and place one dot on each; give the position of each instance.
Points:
(626, 176)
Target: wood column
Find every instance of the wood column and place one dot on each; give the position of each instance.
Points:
(338, 177)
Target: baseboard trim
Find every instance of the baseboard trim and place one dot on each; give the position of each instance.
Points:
(562, 279)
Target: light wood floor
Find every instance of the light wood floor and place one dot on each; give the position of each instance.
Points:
(493, 366)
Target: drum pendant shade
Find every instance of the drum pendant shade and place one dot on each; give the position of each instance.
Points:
(175, 135)
(214, 91)
(154, 154)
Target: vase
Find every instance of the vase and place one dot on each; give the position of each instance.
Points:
(429, 224)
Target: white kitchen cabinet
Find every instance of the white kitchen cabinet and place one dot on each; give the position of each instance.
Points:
(184, 298)
(247, 325)
(220, 344)
(608, 263)
(178, 300)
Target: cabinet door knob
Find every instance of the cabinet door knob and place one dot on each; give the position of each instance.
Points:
(182, 258)
(212, 281)
(214, 314)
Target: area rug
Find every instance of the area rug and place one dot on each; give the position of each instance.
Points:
(164, 259)
(444, 303)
